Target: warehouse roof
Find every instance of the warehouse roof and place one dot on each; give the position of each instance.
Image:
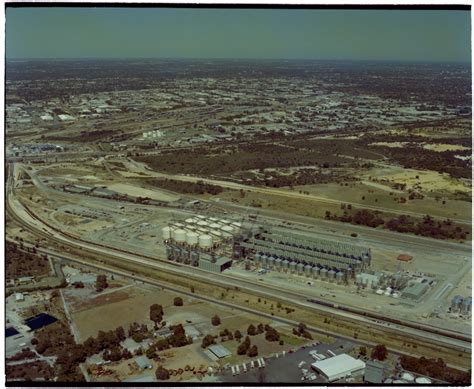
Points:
(219, 351)
(374, 372)
(337, 365)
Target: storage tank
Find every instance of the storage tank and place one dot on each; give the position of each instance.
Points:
(300, 268)
(192, 238)
(339, 277)
(407, 377)
(216, 233)
(307, 269)
(358, 279)
(263, 259)
(324, 273)
(278, 263)
(292, 266)
(166, 231)
(467, 305)
(194, 256)
(422, 380)
(179, 236)
(285, 264)
(331, 275)
(257, 257)
(456, 303)
(205, 241)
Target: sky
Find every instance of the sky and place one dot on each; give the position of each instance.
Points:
(403, 35)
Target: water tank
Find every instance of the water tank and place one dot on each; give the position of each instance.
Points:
(192, 238)
(292, 266)
(285, 264)
(408, 377)
(422, 380)
(331, 274)
(307, 269)
(166, 232)
(467, 305)
(205, 241)
(456, 303)
(323, 272)
(339, 276)
(179, 236)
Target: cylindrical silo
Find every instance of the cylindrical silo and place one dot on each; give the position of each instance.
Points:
(358, 279)
(227, 229)
(263, 259)
(339, 277)
(278, 263)
(307, 270)
(323, 273)
(315, 271)
(205, 241)
(456, 303)
(285, 264)
(271, 262)
(166, 232)
(408, 377)
(467, 305)
(292, 266)
(192, 238)
(180, 236)
(300, 268)
(257, 258)
(331, 275)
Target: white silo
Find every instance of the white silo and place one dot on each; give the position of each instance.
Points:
(180, 236)
(166, 232)
(205, 241)
(192, 238)
(408, 377)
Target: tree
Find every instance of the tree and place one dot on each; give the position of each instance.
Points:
(178, 302)
(156, 314)
(207, 341)
(120, 333)
(253, 351)
(216, 320)
(162, 374)
(363, 351)
(251, 330)
(379, 352)
(101, 283)
(237, 335)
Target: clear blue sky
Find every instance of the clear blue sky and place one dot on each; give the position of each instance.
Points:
(418, 35)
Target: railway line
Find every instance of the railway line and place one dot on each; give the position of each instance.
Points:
(112, 253)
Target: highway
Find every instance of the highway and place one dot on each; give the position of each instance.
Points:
(33, 223)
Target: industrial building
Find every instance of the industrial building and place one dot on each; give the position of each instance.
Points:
(326, 259)
(461, 305)
(415, 290)
(339, 366)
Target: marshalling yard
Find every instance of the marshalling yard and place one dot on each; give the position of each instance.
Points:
(300, 208)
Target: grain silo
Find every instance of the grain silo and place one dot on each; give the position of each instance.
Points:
(205, 241)
(166, 231)
(179, 236)
(192, 238)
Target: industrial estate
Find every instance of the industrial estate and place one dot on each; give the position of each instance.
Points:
(238, 221)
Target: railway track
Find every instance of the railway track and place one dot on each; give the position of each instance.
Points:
(269, 291)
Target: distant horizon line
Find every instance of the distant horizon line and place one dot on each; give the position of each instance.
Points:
(25, 59)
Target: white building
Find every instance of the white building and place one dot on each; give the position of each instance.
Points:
(338, 367)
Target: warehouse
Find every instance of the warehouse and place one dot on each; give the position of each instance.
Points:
(338, 367)
(217, 265)
(414, 291)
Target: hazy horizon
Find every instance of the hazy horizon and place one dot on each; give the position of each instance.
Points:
(246, 34)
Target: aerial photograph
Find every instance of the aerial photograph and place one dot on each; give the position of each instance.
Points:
(242, 195)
